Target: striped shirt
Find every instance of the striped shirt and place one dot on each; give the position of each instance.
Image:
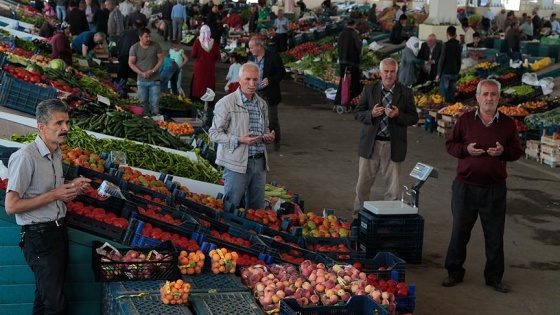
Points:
(256, 124)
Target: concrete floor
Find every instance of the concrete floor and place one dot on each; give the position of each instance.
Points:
(319, 160)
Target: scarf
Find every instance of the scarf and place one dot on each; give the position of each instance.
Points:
(412, 41)
(204, 38)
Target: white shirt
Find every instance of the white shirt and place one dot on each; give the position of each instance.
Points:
(489, 15)
(555, 26)
(126, 8)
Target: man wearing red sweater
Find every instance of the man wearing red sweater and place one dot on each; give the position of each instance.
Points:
(483, 141)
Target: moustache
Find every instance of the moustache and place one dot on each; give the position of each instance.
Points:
(63, 134)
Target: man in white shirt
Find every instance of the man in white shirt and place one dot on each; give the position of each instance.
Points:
(126, 8)
(555, 24)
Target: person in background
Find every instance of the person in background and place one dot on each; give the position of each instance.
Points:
(527, 28)
(461, 14)
(272, 72)
(37, 196)
(77, 19)
(146, 9)
(166, 17)
(177, 54)
(385, 109)
(253, 18)
(126, 8)
(513, 41)
(372, 14)
(240, 127)
(410, 63)
(477, 43)
(232, 76)
(88, 41)
(282, 26)
(178, 19)
(400, 12)
(467, 37)
(90, 10)
(60, 43)
(101, 19)
(50, 9)
(301, 6)
(398, 35)
(554, 24)
(136, 16)
(537, 24)
(449, 66)
(430, 52)
(115, 26)
(330, 9)
(483, 141)
(214, 21)
(129, 38)
(264, 15)
(168, 76)
(61, 9)
(205, 53)
(49, 27)
(349, 50)
(206, 8)
(501, 20)
(510, 18)
(145, 58)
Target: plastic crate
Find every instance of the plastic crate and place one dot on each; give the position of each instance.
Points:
(144, 191)
(377, 227)
(23, 96)
(241, 222)
(5, 153)
(150, 304)
(287, 237)
(311, 244)
(234, 303)
(408, 250)
(360, 304)
(214, 224)
(2, 198)
(106, 269)
(314, 82)
(405, 304)
(93, 175)
(389, 261)
(187, 226)
(95, 227)
(111, 291)
(275, 248)
(208, 282)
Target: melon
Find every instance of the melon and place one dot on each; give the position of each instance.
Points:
(34, 68)
(57, 64)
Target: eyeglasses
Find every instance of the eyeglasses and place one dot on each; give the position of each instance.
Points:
(98, 43)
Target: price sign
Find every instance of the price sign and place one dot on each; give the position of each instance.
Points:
(103, 99)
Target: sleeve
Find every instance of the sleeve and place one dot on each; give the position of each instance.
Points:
(408, 115)
(220, 125)
(278, 65)
(455, 145)
(441, 59)
(362, 113)
(132, 51)
(20, 172)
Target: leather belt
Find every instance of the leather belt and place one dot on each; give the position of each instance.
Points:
(257, 156)
(43, 226)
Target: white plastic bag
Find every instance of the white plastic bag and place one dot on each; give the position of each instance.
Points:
(375, 46)
(330, 93)
(547, 85)
(530, 78)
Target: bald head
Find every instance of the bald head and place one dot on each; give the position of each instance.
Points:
(431, 40)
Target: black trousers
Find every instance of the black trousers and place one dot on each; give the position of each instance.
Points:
(273, 122)
(281, 42)
(46, 253)
(469, 202)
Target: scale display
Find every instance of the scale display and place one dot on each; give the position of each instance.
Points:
(421, 171)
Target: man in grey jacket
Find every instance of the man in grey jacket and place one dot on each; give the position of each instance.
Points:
(240, 127)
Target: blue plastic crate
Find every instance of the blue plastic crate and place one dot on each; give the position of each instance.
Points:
(360, 304)
(150, 304)
(405, 304)
(238, 303)
(23, 96)
(241, 222)
(208, 282)
(314, 82)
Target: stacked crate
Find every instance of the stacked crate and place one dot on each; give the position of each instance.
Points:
(532, 149)
(401, 235)
(550, 150)
(444, 125)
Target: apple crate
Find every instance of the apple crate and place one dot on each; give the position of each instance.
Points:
(275, 248)
(239, 303)
(241, 222)
(311, 243)
(208, 282)
(392, 266)
(360, 304)
(106, 269)
(287, 237)
(187, 203)
(377, 228)
(149, 304)
(114, 291)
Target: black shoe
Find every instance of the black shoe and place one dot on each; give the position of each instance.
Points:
(451, 281)
(498, 286)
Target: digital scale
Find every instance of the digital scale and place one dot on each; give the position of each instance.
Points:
(421, 172)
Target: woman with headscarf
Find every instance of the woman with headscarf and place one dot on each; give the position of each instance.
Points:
(410, 63)
(205, 53)
(60, 43)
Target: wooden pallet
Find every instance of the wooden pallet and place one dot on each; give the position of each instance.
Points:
(442, 131)
(420, 123)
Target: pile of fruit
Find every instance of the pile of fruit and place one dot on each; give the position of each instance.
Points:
(178, 129)
(134, 264)
(534, 106)
(223, 261)
(513, 110)
(486, 65)
(179, 241)
(315, 225)
(95, 213)
(191, 263)
(175, 292)
(451, 110)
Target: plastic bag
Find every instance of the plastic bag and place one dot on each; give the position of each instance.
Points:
(330, 93)
(547, 85)
(375, 46)
(530, 78)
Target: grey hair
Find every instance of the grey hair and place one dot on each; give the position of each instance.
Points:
(257, 41)
(248, 65)
(490, 82)
(388, 61)
(45, 109)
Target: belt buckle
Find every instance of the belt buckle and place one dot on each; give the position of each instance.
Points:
(57, 223)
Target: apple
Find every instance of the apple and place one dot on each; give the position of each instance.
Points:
(340, 292)
(346, 296)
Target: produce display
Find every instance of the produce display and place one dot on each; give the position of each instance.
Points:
(98, 214)
(178, 129)
(223, 261)
(455, 109)
(191, 263)
(513, 110)
(175, 292)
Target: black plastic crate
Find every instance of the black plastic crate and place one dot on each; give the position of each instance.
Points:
(5, 153)
(208, 282)
(405, 304)
(150, 304)
(389, 261)
(275, 248)
(389, 226)
(212, 220)
(410, 251)
(95, 227)
(360, 304)
(234, 303)
(141, 191)
(93, 175)
(106, 269)
(195, 205)
(114, 291)
(241, 222)
(186, 228)
(313, 243)
(120, 207)
(287, 237)
(23, 96)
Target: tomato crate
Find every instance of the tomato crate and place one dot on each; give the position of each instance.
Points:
(145, 192)
(325, 245)
(241, 222)
(389, 263)
(394, 226)
(122, 208)
(112, 292)
(95, 227)
(187, 203)
(108, 269)
(287, 237)
(186, 228)
(211, 221)
(238, 303)
(93, 175)
(359, 304)
(208, 282)
(23, 96)
(253, 250)
(149, 304)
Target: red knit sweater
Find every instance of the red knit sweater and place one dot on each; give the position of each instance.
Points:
(483, 170)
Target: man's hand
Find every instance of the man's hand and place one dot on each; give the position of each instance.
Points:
(81, 184)
(392, 112)
(269, 137)
(496, 151)
(473, 151)
(249, 138)
(264, 82)
(66, 192)
(437, 78)
(377, 111)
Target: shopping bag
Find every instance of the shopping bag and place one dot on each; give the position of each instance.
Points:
(345, 91)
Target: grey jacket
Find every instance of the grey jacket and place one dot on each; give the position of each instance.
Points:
(231, 121)
(403, 99)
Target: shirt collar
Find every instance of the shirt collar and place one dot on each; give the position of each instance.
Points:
(390, 90)
(245, 99)
(495, 118)
(43, 149)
